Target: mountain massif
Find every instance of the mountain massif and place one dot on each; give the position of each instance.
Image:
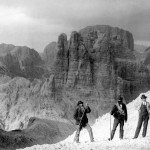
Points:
(98, 64)
(95, 65)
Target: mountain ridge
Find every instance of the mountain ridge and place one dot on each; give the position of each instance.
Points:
(95, 65)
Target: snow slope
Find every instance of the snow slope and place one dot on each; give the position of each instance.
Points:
(101, 130)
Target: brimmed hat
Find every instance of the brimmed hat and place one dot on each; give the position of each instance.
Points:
(79, 102)
(143, 97)
(120, 98)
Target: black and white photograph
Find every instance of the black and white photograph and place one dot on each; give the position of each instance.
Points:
(74, 74)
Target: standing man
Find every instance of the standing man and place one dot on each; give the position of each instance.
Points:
(82, 120)
(144, 111)
(119, 111)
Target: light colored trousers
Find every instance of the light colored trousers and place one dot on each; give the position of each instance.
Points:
(89, 129)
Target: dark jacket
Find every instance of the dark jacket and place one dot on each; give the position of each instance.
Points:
(117, 115)
(78, 115)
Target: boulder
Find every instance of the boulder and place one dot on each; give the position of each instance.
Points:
(39, 131)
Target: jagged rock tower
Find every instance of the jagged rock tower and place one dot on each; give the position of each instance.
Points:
(96, 65)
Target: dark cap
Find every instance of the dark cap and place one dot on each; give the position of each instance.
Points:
(143, 97)
(79, 102)
(120, 98)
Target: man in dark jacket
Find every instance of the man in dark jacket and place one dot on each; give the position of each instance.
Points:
(82, 120)
(119, 111)
(144, 110)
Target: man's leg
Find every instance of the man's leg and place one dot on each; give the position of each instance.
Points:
(145, 125)
(138, 128)
(116, 122)
(121, 129)
(76, 138)
(89, 129)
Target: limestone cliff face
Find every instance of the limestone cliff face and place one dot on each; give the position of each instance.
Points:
(31, 114)
(96, 65)
(89, 48)
(21, 99)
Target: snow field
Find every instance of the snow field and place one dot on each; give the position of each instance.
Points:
(101, 131)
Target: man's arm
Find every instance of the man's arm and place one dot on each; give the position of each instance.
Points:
(148, 107)
(137, 106)
(126, 113)
(88, 109)
(113, 110)
(75, 116)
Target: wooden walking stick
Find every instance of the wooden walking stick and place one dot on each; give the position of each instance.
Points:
(110, 126)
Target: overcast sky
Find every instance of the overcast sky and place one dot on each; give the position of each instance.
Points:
(36, 23)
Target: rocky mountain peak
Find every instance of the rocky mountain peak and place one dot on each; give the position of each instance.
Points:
(5, 48)
(20, 61)
(26, 54)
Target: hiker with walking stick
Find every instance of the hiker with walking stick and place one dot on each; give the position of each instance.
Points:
(119, 111)
(82, 120)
